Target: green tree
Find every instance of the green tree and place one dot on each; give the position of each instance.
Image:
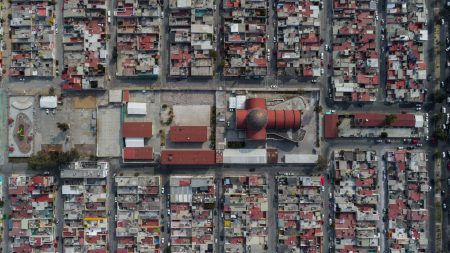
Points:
(40, 161)
(440, 96)
(390, 119)
(51, 91)
(62, 126)
(441, 134)
(213, 54)
(321, 163)
(51, 160)
(384, 135)
(221, 64)
(438, 117)
(437, 155)
(318, 108)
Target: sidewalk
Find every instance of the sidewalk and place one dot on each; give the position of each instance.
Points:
(3, 130)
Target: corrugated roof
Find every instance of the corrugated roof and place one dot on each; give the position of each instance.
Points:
(301, 158)
(137, 129)
(137, 108)
(330, 125)
(141, 153)
(188, 134)
(245, 156)
(188, 157)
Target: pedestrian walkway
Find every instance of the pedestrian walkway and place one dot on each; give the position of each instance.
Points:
(3, 130)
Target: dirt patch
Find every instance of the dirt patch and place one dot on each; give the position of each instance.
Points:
(88, 102)
(47, 148)
(86, 149)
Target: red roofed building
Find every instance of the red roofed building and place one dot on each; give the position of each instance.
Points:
(330, 125)
(188, 157)
(137, 129)
(188, 134)
(256, 119)
(138, 153)
(379, 120)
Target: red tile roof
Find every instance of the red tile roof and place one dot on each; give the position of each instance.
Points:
(330, 126)
(188, 134)
(378, 120)
(137, 129)
(188, 157)
(138, 153)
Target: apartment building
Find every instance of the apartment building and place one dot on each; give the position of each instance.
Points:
(84, 192)
(32, 27)
(245, 210)
(138, 38)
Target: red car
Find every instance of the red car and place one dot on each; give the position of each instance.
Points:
(414, 141)
(448, 165)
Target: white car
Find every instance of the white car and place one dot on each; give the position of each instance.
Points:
(327, 47)
(162, 240)
(321, 56)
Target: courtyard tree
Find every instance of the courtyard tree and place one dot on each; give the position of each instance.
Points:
(62, 126)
